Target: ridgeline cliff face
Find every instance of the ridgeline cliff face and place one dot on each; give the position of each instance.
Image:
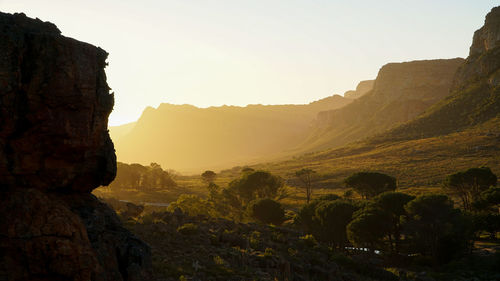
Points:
(54, 150)
(362, 88)
(474, 95)
(192, 139)
(401, 92)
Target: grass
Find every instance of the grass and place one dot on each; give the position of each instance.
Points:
(419, 165)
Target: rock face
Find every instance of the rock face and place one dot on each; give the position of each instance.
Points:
(54, 150)
(55, 104)
(474, 95)
(192, 139)
(401, 92)
(362, 88)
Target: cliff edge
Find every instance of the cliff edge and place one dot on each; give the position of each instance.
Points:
(54, 150)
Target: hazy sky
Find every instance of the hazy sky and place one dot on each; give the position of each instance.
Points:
(234, 52)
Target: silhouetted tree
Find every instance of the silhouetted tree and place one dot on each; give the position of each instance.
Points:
(488, 200)
(469, 184)
(369, 227)
(208, 176)
(435, 228)
(393, 203)
(141, 177)
(266, 211)
(332, 218)
(257, 184)
(306, 178)
(369, 184)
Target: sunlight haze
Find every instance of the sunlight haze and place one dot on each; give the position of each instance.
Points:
(208, 53)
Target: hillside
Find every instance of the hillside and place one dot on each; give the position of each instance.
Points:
(460, 132)
(475, 91)
(400, 92)
(190, 139)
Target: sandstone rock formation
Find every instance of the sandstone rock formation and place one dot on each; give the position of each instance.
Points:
(474, 95)
(54, 150)
(401, 92)
(362, 88)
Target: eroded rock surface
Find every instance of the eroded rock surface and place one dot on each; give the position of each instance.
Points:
(401, 92)
(54, 150)
(54, 107)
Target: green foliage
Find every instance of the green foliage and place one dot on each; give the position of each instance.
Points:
(393, 203)
(266, 211)
(188, 229)
(192, 205)
(328, 197)
(488, 200)
(142, 177)
(369, 227)
(487, 222)
(309, 240)
(436, 228)
(257, 184)
(306, 178)
(332, 218)
(269, 252)
(369, 184)
(469, 184)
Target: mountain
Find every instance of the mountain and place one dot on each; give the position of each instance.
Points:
(459, 132)
(362, 88)
(475, 91)
(190, 139)
(400, 92)
(120, 131)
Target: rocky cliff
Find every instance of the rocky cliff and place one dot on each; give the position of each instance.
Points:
(475, 93)
(362, 88)
(400, 92)
(54, 150)
(192, 139)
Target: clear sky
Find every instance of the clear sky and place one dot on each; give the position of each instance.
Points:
(208, 52)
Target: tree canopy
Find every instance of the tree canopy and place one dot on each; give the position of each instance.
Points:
(469, 184)
(257, 184)
(370, 184)
(266, 211)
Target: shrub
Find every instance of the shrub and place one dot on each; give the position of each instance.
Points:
(188, 229)
(266, 211)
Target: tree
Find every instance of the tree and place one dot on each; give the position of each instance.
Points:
(469, 184)
(142, 177)
(208, 176)
(257, 184)
(306, 177)
(266, 211)
(369, 227)
(488, 201)
(306, 216)
(192, 205)
(435, 228)
(369, 184)
(332, 217)
(393, 203)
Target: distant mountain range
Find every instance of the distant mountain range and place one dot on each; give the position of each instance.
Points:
(401, 92)
(190, 139)
(407, 101)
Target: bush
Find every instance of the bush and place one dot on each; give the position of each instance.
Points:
(188, 229)
(266, 211)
